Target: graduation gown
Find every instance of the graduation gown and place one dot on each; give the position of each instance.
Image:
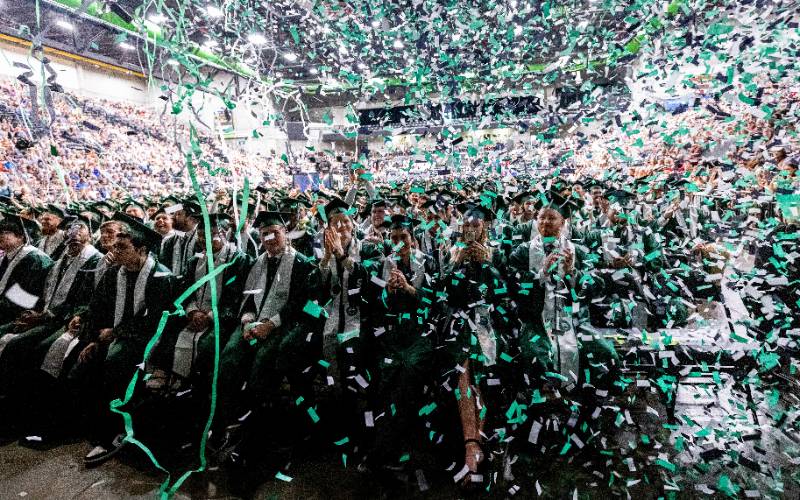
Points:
(53, 246)
(27, 269)
(67, 292)
(259, 366)
(552, 306)
(184, 352)
(131, 304)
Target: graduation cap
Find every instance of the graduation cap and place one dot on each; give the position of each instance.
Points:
(619, 196)
(271, 218)
(21, 226)
(377, 203)
(104, 205)
(138, 231)
(192, 208)
(294, 203)
(55, 210)
(400, 221)
(336, 206)
(524, 197)
(399, 201)
(217, 220)
(558, 202)
(473, 210)
(93, 218)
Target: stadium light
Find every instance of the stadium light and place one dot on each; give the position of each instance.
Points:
(126, 46)
(65, 25)
(313, 71)
(256, 39)
(157, 18)
(290, 56)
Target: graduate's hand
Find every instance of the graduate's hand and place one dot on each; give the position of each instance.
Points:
(263, 330)
(88, 352)
(550, 261)
(198, 321)
(569, 260)
(74, 325)
(109, 258)
(333, 245)
(477, 251)
(106, 335)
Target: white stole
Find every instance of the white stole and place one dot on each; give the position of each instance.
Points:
(278, 293)
(58, 352)
(50, 243)
(21, 254)
(558, 324)
(138, 291)
(202, 299)
(352, 322)
(54, 297)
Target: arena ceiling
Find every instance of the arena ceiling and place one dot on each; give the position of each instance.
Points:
(451, 44)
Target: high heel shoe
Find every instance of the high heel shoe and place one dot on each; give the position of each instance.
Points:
(475, 463)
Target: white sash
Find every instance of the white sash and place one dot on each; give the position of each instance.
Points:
(58, 352)
(50, 243)
(203, 294)
(417, 268)
(21, 254)
(54, 297)
(138, 291)
(557, 322)
(352, 322)
(185, 352)
(278, 293)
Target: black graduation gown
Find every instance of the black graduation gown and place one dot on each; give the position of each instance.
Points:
(30, 274)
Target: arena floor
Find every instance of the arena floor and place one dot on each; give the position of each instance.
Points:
(743, 462)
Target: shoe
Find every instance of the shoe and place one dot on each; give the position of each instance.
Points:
(100, 454)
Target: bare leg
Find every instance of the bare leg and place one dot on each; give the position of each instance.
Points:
(471, 423)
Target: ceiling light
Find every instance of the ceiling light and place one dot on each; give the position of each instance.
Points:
(398, 44)
(256, 39)
(213, 11)
(157, 18)
(126, 46)
(65, 25)
(290, 56)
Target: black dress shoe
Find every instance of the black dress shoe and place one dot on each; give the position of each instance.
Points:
(102, 453)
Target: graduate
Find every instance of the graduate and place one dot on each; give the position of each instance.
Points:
(53, 241)
(478, 319)
(67, 290)
(191, 351)
(125, 313)
(270, 321)
(400, 336)
(23, 267)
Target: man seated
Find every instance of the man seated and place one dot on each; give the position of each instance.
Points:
(67, 290)
(191, 351)
(125, 314)
(23, 268)
(254, 361)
